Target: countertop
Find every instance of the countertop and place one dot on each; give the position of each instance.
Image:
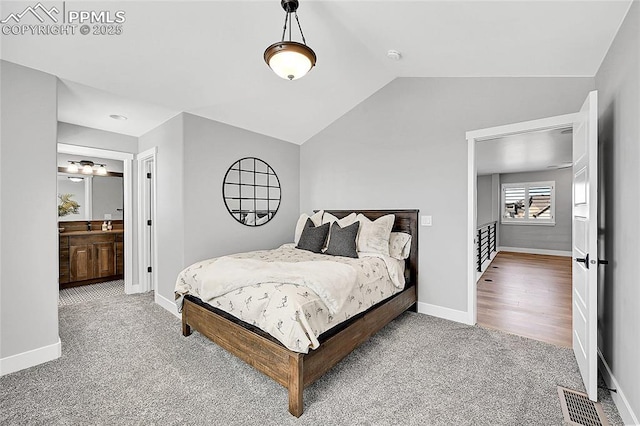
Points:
(92, 232)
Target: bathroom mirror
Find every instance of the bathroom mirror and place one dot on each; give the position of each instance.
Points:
(251, 191)
(97, 197)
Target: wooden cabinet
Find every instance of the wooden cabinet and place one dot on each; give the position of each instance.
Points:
(80, 262)
(89, 257)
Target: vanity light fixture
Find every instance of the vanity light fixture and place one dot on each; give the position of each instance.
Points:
(290, 59)
(75, 179)
(87, 167)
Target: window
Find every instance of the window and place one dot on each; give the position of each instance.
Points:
(530, 203)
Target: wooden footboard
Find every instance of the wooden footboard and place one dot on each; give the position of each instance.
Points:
(292, 370)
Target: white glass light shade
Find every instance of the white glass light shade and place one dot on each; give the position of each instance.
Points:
(102, 170)
(87, 169)
(75, 179)
(289, 59)
(72, 168)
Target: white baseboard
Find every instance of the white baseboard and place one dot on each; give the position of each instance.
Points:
(30, 358)
(133, 289)
(169, 305)
(625, 410)
(442, 312)
(537, 251)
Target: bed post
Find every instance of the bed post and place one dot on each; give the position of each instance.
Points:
(296, 383)
(186, 329)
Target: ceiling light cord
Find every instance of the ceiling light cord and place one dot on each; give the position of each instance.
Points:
(287, 19)
(300, 28)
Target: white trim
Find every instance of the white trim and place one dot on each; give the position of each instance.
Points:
(619, 398)
(548, 123)
(30, 358)
(536, 251)
(126, 159)
(446, 313)
(474, 136)
(142, 253)
(169, 305)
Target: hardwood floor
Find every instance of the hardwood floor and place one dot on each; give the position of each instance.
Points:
(528, 295)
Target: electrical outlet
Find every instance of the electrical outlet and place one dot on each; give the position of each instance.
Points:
(425, 220)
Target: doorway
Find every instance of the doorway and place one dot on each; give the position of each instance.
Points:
(127, 238)
(584, 226)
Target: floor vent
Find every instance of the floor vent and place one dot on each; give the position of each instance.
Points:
(579, 410)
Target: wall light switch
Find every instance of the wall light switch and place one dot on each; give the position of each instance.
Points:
(425, 220)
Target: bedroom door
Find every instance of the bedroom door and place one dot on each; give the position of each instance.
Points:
(585, 243)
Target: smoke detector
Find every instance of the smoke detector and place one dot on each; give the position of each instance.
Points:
(394, 55)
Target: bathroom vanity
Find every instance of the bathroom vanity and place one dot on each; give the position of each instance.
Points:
(90, 255)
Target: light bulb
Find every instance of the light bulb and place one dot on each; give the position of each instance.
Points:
(72, 167)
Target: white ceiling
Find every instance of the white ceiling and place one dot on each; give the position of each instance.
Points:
(205, 57)
(525, 152)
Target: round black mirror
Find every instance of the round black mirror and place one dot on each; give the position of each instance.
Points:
(251, 191)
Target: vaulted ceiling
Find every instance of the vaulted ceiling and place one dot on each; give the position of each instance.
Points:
(205, 57)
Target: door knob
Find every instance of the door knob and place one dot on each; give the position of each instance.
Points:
(584, 260)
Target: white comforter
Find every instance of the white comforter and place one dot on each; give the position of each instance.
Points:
(331, 281)
(290, 310)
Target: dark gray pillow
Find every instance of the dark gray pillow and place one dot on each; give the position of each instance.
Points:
(342, 241)
(313, 238)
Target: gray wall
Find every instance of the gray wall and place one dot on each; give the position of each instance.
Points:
(485, 198)
(193, 156)
(28, 227)
(168, 138)
(405, 147)
(73, 134)
(210, 148)
(618, 84)
(542, 237)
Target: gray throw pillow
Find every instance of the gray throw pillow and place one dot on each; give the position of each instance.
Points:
(313, 237)
(343, 240)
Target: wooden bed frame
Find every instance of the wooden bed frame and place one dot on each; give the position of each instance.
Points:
(295, 370)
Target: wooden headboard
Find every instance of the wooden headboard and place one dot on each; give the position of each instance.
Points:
(406, 221)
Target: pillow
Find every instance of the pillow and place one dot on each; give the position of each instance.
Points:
(316, 219)
(374, 236)
(250, 219)
(345, 221)
(342, 241)
(264, 219)
(399, 245)
(313, 237)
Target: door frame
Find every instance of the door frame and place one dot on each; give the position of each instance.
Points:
(127, 159)
(143, 249)
(549, 123)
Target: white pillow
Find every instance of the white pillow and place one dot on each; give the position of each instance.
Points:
(374, 236)
(264, 219)
(349, 219)
(399, 245)
(250, 219)
(316, 219)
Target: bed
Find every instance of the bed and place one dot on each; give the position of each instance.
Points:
(295, 369)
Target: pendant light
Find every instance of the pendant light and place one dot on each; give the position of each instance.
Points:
(290, 59)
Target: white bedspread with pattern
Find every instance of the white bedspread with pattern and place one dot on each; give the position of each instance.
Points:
(292, 312)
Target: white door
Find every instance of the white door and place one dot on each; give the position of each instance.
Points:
(585, 242)
(148, 234)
